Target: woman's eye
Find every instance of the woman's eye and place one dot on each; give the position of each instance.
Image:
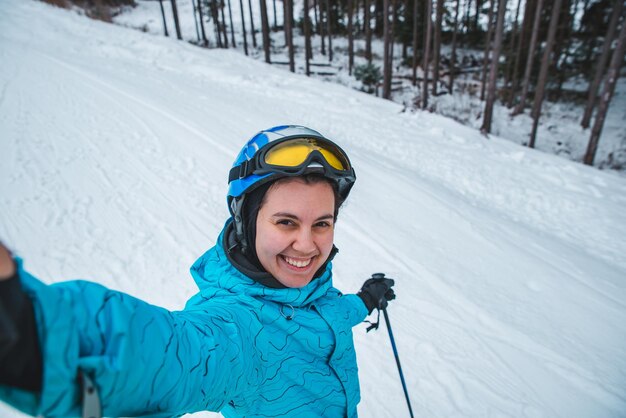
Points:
(284, 222)
(323, 224)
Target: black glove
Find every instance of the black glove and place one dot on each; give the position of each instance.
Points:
(377, 292)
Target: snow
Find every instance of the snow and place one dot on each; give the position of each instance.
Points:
(509, 262)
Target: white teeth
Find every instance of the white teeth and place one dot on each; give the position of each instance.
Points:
(297, 263)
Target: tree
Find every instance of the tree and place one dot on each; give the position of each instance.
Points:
(224, 32)
(232, 27)
(265, 28)
(350, 37)
(527, 23)
(453, 53)
(543, 72)
(487, 45)
(437, 44)
(205, 41)
(163, 15)
(368, 31)
(243, 27)
(511, 60)
(288, 19)
(607, 94)
(604, 57)
(252, 24)
(429, 28)
(414, 76)
(307, 37)
(530, 59)
(493, 71)
(329, 30)
(176, 22)
(387, 57)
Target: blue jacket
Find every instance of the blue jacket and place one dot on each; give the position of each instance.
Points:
(238, 347)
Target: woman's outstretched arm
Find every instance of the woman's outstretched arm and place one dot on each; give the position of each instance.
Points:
(145, 360)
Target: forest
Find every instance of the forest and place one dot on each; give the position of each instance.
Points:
(514, 53)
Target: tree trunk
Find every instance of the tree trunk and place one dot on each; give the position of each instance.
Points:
(163, 15)
(607, 93)
(437, 44)
(224, 30)
(487, 48)
(479, 4)
(329, 30)
(275, 19)
(243, 26)
(543, 72)
(265, 28)
(322, 26)
(232, 27)
(368, 31)
(429, 29)
(493, 71)
(205, 41)
(254, 44)
(289, 33)
(213, 6)
(510, 56)
(307, 38)
(414, 76)
(350, 36)
(521, 44)
(604, 57)
(453, 53)
(386, 64)
(176, 22)
(195, 20)
(317, 21)
(530, 59)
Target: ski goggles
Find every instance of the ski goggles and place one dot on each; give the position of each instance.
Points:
(295, 156)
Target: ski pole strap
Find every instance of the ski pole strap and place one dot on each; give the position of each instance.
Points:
(91, 398)
(373, 325)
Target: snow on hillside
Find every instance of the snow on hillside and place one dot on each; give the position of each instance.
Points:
(559, 131)
(509, 262)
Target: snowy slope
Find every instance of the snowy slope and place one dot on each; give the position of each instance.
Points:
(510, 263)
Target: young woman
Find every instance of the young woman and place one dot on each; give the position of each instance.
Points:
(267, 335)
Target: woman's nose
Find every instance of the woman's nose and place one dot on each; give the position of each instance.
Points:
(303, 242)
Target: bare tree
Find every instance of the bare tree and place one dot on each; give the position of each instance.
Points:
(224, 31)
(607, 93)
(511, 56)
(453, 53)
(414, 76)
(176, 22)
(604, 57)
(386, 59)
(288, 19)
(429, 29)
(232, 27)
(163, 15)
(368, 31)
(213, 7)
(527, 23)
(275, 20)
(329, 29)
(252, 24)
(530, 59)
(487, 49)
(307, 38)
(265, 28)
(437, 44)
(322, 26)
(350, 36)
(493, 71)
(243, 26)
(201, 15)
(543, 72)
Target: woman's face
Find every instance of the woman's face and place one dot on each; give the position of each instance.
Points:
(295, 229)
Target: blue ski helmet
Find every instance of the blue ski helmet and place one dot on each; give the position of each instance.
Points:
(285, 151)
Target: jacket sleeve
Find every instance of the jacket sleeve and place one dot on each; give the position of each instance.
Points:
(145, 360)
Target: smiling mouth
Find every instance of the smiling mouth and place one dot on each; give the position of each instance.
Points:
(298, 263)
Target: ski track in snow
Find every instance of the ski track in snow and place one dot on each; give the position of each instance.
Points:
(509, 263)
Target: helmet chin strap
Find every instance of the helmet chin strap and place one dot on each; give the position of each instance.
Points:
(236, 206)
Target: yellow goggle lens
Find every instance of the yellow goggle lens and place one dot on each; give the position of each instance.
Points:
(295, 152)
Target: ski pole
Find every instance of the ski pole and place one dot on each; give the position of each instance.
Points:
(395, 353)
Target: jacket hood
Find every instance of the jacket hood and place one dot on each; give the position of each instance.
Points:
(215, 275)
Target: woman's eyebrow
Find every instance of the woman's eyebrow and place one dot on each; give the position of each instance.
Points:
(294, 217)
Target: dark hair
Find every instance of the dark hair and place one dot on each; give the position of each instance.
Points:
(311, 178)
